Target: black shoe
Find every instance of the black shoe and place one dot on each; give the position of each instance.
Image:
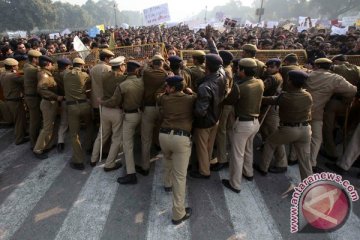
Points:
(335, 168)
(168, 189)
(140, 170)
(117, 166)
(24, 140)
(49, 149)
(93, 164)
(218, 166)
(257, 168)
(60, 147)
(187, 215)
(41, 155)
(198, 175)
(277, 169)
(317, 170)
(325, 155)
(227, 184)
(248, 178)
(293, 162)
(128, 179)
(77, 166)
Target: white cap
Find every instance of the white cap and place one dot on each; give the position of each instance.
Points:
(117, 61)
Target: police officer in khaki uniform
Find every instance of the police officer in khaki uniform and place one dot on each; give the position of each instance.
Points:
(337, 105)
(75, 83)
(290, 62)
(176, 66)
(32, 98)
(13, 89)
(197, 71)
(154, 80)
(47, 89)
(227, 117)
(249, 51)
(273, 85)
(129, 95)
(111, 118)
(322, 84)
(295, 114)
(175, 132)
(247, 100)
(63, 66)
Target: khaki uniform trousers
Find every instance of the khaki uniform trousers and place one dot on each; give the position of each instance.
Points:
(352, 151)
(176, 150)
(130, 123)
(49, 111)
(332, 109)
(316, 140)
(149, 121)
(63, 123)
(204, 139)
(226, 122)
(5, 114)
(111, 120)
(242, 151)
(17, 112)
(33, 104)
(76, 113)
(269, 126)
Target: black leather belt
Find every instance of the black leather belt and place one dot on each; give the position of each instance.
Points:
(178, 132)
(31, 95)
(48, 99)
(299, 124)
(246, 119)
(76, 102)
(13, 99)
(132, 111)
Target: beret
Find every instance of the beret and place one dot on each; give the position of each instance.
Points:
(174, 59)
(290, 55)
(45, 58)
(247, 62)
(117, 61)
(34, 53)
(78, 61)
(174, 79)
(249, 47)
(272, 61)
(64, 61)
(226, 56)
(297, 75)
(213, 59)
(339, 57)
(133, 63)
(20, 57)
(198, 53)
(157, 57)
(107, 52)
(322, 60)
(10, 62)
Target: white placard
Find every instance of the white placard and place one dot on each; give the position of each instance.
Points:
(338, 31)
(304, 23)
(54, 35)
(80, 47)
(271, 24)
(66, 31)
(17, 34)
(157, 14)
(349, 21)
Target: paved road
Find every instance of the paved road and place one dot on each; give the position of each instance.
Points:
(46, 200)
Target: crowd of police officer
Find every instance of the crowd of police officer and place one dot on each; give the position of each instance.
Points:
(186, 111)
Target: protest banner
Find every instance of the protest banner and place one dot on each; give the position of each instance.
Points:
(338, 31)
(157, 14)
(80, 47)
(54, 35)
(349, 21)
(66, 31)
(17, 34)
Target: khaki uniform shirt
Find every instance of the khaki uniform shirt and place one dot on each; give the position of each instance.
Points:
(322, 84)
(59, 79)
(30, 78)
(273, 84)
(177, 110)
(47, 87)
(96, 74)
(75, 82)
(284, 70)
(349, 71)
(128, 94)
(154, 81)
(110, 81)
(260, 68)
(12, 85)
(197, 72)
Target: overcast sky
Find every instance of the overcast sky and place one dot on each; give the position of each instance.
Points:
(179, 9)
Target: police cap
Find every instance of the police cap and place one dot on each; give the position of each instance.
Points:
(213, 59)
(247, 62)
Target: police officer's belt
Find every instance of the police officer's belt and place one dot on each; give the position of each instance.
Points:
(76, 102)
(175, 132)
(285, 124)
(31, 95)
(132, 111)
(48, 99)
(13, 99)
(246, 119)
